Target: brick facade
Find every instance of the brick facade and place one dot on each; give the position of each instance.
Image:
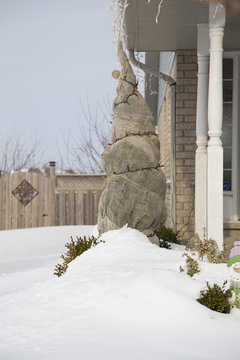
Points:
(186, 97)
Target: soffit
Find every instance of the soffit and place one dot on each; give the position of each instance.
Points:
(176, 27)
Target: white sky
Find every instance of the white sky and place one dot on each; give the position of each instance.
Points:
(52, 53)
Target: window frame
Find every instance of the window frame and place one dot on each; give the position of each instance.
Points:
(231, 197)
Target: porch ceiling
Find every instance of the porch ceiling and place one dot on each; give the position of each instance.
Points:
(176, 27)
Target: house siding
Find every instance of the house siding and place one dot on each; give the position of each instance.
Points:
(164, 132)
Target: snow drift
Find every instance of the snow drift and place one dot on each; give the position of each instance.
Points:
(123, 299)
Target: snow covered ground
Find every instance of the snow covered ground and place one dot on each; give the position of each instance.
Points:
(125, 299)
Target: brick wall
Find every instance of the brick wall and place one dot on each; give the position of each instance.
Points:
(186, 96)
(185, 72)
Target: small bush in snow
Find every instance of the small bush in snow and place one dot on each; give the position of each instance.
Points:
(164, 244)
(216, 298)
(206, 247)
(75, 248)
(191, 265)
(166, 236)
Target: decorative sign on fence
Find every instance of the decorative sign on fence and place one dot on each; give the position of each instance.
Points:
(25, 192)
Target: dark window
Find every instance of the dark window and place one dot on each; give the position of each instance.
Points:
(227, 123)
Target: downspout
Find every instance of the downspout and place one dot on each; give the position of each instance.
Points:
(172, 83)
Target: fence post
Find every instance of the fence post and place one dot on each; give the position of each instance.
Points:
(52, 192)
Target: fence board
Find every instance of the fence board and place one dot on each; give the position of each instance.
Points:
(80, 207)
(14, 204)
(1, 204)
(62, 208)
(57, 208)
(14, 213)
(89, 207)
(41, 214)
(27, 210)
(35, 202)
(71, 207)
(8, 204)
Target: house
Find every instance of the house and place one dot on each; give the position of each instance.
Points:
(197, 44)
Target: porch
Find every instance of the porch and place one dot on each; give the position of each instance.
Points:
(209, 106)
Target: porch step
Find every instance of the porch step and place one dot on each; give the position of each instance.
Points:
(235, 225)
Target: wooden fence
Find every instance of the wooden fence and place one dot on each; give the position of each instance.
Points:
(29, 199)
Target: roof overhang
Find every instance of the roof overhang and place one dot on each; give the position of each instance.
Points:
(176, 27)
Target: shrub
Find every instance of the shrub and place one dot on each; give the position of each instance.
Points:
(164, 244)
(191, 265)
(75, 248)
(166, 236)
(206, 247)
(216, 298)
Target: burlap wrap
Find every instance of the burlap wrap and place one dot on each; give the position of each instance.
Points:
(136, 198)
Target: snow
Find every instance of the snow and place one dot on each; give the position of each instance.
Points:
(123, 299)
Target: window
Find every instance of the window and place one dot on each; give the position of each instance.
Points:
(227, 123)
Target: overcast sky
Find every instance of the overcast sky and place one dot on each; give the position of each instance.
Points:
(52, 53)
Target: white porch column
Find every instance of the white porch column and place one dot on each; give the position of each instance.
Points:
(201, 130)
(215, 108)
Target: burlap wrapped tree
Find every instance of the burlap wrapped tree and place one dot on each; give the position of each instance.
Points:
(135, 187)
